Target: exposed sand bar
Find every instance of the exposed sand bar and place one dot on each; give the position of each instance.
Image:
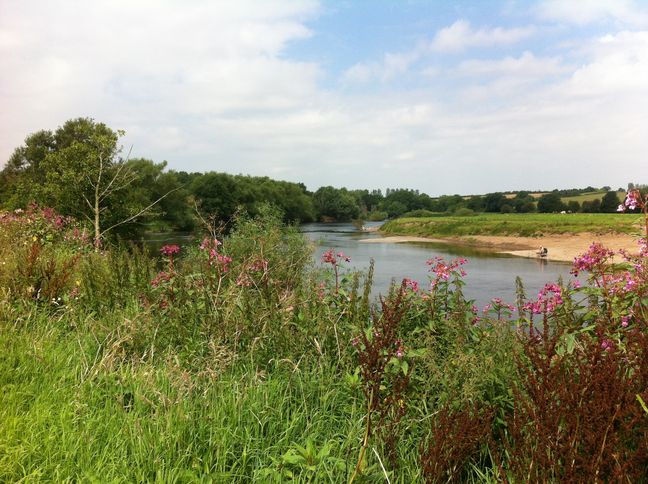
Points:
(562, 247)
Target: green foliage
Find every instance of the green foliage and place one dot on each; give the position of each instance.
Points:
(336, 204)
(550, 203)
(419, 213)
(610, 202)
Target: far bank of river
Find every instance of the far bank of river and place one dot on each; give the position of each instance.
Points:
(490, 273)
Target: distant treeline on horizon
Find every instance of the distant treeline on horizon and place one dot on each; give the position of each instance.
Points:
(65, 168)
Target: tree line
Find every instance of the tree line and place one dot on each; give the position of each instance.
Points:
(81, 170)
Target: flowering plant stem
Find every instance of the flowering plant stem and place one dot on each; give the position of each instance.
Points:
(365, 441)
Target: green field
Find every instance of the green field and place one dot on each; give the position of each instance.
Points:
(589, 196)
(526, 225)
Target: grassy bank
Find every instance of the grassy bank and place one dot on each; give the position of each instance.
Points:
(237, 360)
(525, 225)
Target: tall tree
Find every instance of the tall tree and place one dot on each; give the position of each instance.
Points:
(610, 202)
(78, 170)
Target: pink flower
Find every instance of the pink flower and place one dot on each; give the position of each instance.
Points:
(170, 250)
(162, 276)
(411, 284)
(329, 258)
(596, 256)
(443, 271)
(344, 257)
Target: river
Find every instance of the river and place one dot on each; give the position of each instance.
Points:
(489, 275)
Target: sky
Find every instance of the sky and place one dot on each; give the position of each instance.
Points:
(439, 96)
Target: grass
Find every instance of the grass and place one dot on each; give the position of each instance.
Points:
(63, 418)
(526, 225)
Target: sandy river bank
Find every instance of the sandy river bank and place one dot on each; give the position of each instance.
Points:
(561, 247)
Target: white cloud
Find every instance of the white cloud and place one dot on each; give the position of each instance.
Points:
(148, 66)
(391, 66)
(581, 12)
(527, 66)
(460, 35)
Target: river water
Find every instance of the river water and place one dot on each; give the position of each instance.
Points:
(489, 275)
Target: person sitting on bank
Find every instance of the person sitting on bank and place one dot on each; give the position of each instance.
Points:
(542, 252)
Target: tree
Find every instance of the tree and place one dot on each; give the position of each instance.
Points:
(493, 202)
(550, 202)
(591, 206)
(337, 204)
(78, 171)
(573, 206)
(610, 202)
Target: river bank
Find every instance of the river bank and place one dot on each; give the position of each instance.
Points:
(561, 247)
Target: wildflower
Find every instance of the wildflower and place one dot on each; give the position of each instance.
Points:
(344, 257)
(411, 284)
(170, 250)
(443, 271)
(243, 280)
(595, 256)
(161, 277)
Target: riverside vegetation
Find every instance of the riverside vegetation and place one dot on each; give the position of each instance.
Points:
(237, 361)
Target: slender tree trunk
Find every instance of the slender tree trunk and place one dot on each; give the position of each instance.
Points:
(97, 227)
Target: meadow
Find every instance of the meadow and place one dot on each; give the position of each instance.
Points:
(590, 196)
(525, 225)
(238, 360)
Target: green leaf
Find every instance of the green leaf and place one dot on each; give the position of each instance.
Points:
(643, 404)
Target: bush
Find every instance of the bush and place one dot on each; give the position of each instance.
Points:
(419, 213)
(464, 212)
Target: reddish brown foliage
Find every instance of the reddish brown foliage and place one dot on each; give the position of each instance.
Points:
(576, 416)
(455, 439)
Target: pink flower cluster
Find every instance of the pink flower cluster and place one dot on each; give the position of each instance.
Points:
(161, 277)
(215, 259)
(259, 265)
(607, 345)
(76, 235)
(35, 214)
(330, 257)
(549, 298)
(498, 304)
(633, 201)
(443, 271)
(170, 250)
(58, 221)
(411, 284)
(595, 257)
